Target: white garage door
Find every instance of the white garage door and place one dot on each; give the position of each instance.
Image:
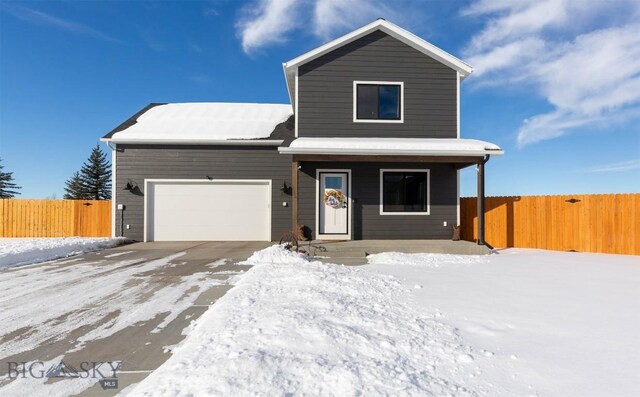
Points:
(218, 210)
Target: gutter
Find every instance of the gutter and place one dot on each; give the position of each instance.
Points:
(216, 142)
(397, 152)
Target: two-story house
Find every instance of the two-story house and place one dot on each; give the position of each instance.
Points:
(369, 148)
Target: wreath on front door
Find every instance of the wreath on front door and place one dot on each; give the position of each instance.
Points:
(334, 198)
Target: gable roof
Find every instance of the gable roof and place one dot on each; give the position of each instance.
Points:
(203, 123)
(387, 27)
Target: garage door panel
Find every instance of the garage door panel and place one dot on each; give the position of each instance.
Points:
(211, 211)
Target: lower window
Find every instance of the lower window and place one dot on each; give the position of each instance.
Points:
(404, 192)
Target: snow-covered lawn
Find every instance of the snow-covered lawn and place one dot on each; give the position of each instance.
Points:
(519, 323)
(565, 323)
(22, 251)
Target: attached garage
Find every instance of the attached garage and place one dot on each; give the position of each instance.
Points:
(207, 210)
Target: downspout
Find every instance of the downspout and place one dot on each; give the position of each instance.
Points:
(481, 235)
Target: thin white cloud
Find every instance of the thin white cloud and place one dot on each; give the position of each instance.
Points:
(266, 22)
(552, 125)
(517, 21)
(622, 166)
(41, 18)
(334, 15)
(589, 73)
(193, 46)
(509, 55)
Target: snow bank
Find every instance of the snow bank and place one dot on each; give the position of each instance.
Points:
(294, 327)
(275, 254)
(21, 251)
(207, 121)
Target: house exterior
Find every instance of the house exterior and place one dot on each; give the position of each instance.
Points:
(369, 148)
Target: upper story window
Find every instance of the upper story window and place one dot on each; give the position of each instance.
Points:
(378, 102)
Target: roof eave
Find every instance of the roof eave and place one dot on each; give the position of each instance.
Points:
(383, 152)
(212, 142)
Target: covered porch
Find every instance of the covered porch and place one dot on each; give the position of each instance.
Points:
(361, 170)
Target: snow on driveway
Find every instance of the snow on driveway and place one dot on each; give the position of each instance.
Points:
(85, 293)
(78, 301)
(294, 327)
(22, 251)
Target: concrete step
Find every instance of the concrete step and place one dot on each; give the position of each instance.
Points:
(359, 248)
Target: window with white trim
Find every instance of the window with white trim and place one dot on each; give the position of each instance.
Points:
(378, 101)
(404, 192)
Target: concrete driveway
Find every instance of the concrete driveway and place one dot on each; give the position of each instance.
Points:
(128, 303)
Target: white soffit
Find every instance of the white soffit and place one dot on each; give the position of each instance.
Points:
(392, 147)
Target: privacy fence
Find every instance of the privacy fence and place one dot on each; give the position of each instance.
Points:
(607, 223)
(55, 218)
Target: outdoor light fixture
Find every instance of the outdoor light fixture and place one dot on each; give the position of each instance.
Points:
(130, 185)
(286, 189)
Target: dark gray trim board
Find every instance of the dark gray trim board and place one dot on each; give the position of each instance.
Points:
(140, 162)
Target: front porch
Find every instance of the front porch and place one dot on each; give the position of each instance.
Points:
(386, 188)
(354, 252)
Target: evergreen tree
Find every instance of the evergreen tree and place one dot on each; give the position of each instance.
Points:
(74, 190)
(8, 189)
(95, 176)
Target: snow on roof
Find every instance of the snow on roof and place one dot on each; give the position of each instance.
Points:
(392, 146)
(201, 122)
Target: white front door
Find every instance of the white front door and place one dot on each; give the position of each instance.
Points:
(334, 204)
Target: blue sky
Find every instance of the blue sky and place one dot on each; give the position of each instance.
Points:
(557, 82)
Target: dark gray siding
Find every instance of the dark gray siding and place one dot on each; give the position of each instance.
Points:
(367, 221)
(137, 162)
(325, 91)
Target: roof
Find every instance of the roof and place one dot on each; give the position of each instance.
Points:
(392, 146)
(389, 28)
(197, 123)
(130, 121)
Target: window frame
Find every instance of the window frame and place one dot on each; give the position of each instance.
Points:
(421, 213)
(355, 101)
